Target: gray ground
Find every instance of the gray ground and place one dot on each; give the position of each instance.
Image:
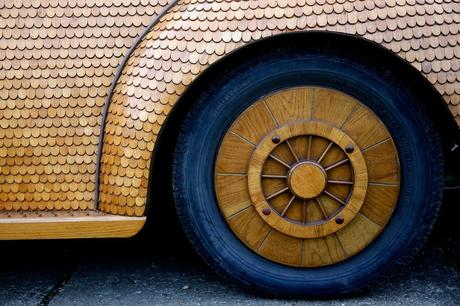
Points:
(98, 276)
(149, 271)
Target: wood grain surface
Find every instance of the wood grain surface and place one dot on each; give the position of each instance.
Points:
(183, 45)
(67, 224)
(307, 176)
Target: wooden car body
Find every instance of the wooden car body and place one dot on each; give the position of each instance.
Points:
(86, 87)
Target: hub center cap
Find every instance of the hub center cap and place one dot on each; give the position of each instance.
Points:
(307, 179)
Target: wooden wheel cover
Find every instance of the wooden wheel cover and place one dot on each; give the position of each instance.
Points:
(307, 176)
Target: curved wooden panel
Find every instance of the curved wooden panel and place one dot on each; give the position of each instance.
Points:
(57, 62)
(186, 42)
(58, 59)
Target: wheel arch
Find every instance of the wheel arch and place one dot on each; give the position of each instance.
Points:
(434, 102)
(191, 37)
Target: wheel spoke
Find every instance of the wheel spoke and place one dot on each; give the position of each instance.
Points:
(340, 182)
(325, 152)
(292, 150)
(335, 198)
(335, 165)
(341, 244)
(277, 193)
(321, 207)
(286, 208)
(271, 113)
(273, 176)
(304, 219)
(265, 238)
(375, 144)
(310, 139)
(282, 162)
(238, 212)
(243, 138)
(383, 184)
(231, 174)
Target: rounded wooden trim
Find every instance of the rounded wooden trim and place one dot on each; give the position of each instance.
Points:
(110, 93)
(302, 128)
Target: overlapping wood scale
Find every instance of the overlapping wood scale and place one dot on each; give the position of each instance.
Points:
(196, 33)
(57, 61)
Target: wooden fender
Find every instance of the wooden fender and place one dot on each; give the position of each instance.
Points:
(193, 35)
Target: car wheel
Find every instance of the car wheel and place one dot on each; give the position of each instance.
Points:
(307, 173)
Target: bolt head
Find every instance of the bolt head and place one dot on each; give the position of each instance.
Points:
(276, 139)
(266, 211)
(339, 220)
(349, 149)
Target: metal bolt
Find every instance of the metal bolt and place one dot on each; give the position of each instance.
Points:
(266, 211)
(349, 149)
(276, 139)
(339, 220)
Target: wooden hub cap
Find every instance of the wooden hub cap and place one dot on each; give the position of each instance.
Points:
(307, 176)
(307, 179)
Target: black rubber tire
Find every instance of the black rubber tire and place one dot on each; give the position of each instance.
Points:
(395, 101)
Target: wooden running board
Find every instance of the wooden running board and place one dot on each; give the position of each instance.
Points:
(27, 225)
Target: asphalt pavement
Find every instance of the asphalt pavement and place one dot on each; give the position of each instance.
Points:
(152, 270)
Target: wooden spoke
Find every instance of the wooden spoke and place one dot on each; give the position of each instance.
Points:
(273, 176)
(280, 161)
(321, 207)
(335, 198)
(340, 243)
(277, 193)
(340, 182)
(304, 212)
(265, 238)
(334, 165)
(231, 174)
(307, 176)
(329, 146)
(270, 112)
(376, 144)
(291, 200)
(292, 150)
(239, 211)
(243, 138)
(383, 184)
